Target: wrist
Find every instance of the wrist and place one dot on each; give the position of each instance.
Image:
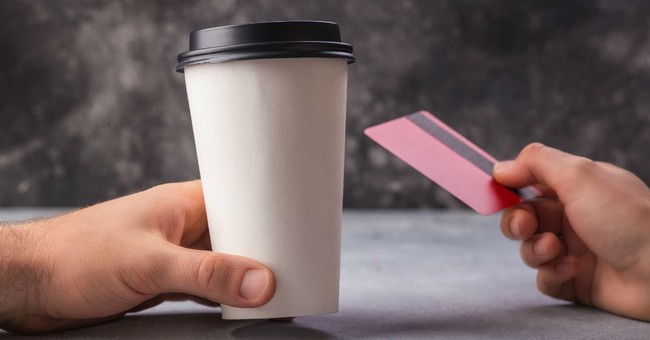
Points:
(19, 276)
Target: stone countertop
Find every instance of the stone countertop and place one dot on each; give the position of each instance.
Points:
(405, 274)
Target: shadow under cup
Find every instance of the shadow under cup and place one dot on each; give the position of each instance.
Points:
(267, 102)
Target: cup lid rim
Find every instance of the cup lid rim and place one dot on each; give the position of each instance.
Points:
(263, 40)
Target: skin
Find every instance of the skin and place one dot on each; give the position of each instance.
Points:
(589, 236)
(96, 264)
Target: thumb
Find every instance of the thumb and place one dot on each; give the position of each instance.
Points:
(538, 164)
(228, 279)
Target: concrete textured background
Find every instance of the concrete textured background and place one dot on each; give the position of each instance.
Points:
(90, 107)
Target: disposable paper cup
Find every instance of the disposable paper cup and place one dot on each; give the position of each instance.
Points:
(267, 102)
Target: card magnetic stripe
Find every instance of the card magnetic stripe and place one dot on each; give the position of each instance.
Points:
(461, 148)
(452, 142)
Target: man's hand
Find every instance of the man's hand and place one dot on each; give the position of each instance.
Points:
(589, 237)
(96, 264)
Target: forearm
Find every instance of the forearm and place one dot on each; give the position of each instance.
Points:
(18, 277)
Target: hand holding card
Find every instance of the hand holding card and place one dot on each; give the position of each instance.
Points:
(449, 159)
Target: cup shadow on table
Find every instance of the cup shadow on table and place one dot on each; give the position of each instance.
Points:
(280, 330)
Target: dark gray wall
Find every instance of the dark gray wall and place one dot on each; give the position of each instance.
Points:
(90, 107)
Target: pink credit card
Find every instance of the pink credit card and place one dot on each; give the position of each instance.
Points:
(449, 159)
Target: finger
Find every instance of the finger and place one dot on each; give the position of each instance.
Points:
(533, 217)
(537, 164)
(177, 210)
(541, 249)
(228, 279)
(555, 279)
(519, 222)
(196, 222)
(202, 243)
(195, 226)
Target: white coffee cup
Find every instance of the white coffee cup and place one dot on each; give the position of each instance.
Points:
(267, 102)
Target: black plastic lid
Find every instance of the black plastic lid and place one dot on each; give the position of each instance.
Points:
(265, 40)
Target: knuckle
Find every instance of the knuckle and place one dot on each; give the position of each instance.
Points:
(214, 272)
(166, 209)
(582, 167)
(533, 149)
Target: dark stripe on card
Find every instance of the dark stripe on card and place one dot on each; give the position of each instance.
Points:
(461, 148)
(452, 142)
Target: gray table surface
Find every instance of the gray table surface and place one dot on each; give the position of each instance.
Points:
(405, 274)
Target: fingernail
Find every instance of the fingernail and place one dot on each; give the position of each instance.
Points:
(253, 284)
(565, 267)
(503, 166)
(539, 249)
(513, 228)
